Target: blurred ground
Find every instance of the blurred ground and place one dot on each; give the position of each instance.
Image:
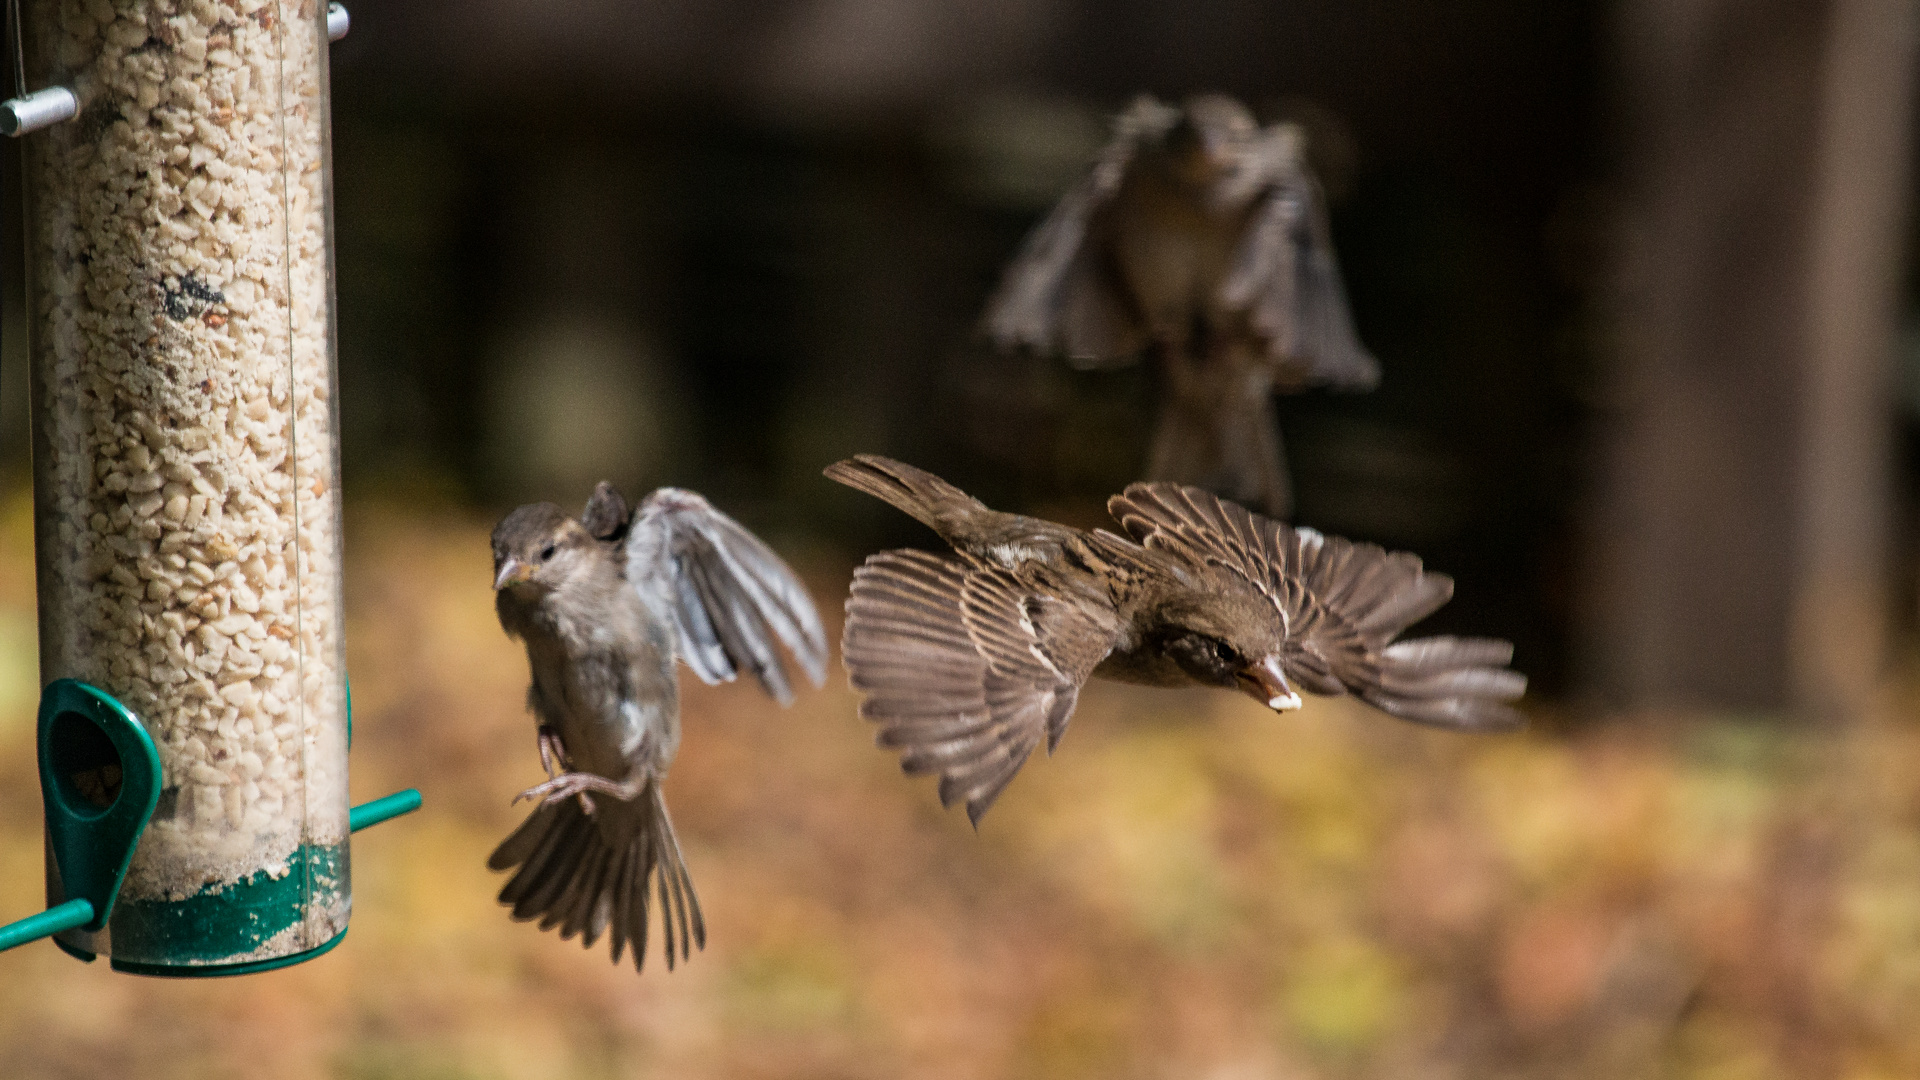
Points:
(1191, 888)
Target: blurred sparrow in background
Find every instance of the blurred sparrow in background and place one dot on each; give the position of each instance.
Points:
(1202, 238)
(604, 605)
(968, 660)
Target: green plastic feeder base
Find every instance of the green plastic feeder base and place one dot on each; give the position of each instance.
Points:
(211, 971)
(203, 971)
(261, 923)
(234, 928)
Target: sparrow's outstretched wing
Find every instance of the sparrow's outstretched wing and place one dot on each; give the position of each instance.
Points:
(964, 668)
(1062, 294)
(1344, 604)
(729, 596)
(1286, 279)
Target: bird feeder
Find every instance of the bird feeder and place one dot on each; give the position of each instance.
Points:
(194, 720)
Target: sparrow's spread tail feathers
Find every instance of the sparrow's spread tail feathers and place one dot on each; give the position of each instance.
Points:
(915, 492)
(960, 519)
(1227, 442)
(589, 875)
(1448, 682)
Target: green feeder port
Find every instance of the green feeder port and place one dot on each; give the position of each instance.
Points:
(100, 778)
(194, 725)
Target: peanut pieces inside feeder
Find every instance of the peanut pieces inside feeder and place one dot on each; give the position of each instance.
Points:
(188, 525)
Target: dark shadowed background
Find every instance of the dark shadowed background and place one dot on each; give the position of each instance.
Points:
(731, 242)
(1636, 273)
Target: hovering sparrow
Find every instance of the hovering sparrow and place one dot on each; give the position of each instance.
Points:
(1200, 238)
(968, 660)
(604, 605)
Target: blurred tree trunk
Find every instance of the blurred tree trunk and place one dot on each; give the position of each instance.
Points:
(1739, 557)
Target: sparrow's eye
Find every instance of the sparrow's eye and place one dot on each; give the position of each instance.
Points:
(546, 553)
(1223, 652)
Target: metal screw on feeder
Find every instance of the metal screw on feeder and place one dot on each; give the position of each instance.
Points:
(40, 109)
(193, 733)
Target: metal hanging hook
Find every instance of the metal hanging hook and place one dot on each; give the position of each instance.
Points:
(15, 34)
(26, 112)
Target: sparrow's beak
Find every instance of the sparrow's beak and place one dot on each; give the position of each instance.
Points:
(1266, 681)
(511, 572)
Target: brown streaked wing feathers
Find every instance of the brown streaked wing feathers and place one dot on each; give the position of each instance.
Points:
(951, 676)
(1286, 278)
(1061, 292)
(1344, 604)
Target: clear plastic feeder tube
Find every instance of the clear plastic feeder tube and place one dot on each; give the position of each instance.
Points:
(185, 458)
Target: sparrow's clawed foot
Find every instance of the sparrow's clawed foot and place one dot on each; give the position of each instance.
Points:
(552, 752)
(569, 784)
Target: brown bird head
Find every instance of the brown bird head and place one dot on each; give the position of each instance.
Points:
(536, 547)
(1211, 138)
(1232, 639)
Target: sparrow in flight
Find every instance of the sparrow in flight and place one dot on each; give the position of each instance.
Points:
(968, 660)
(1199, 238)
(605, 605)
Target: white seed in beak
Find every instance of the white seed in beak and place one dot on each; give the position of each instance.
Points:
(1272, 681)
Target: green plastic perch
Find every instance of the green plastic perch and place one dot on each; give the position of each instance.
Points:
(77, 913)
(68, 916)
(383, 809)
